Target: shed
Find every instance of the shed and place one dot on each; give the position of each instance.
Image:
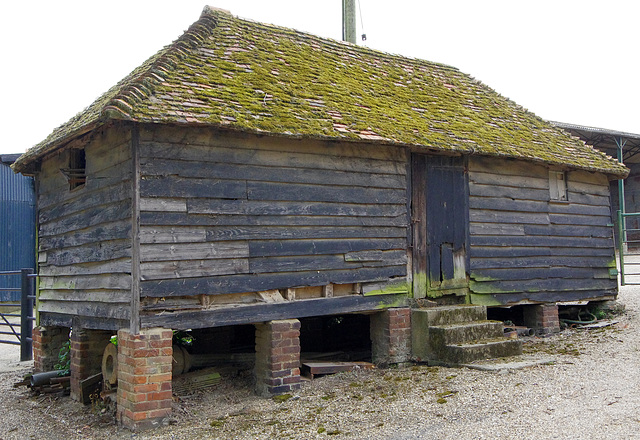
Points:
(17, 226)
(252, 174)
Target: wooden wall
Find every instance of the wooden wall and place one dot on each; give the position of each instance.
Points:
(85, 235)
(525, 247)
(223, 214)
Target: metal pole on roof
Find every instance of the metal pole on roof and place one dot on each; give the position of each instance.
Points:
(349, 21)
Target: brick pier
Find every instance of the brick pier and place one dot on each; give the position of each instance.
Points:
(277, 367)
(391, 336)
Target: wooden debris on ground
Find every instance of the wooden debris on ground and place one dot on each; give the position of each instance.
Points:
(196, 380)
(315, 368)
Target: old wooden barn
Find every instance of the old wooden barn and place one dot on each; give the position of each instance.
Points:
(251, 174)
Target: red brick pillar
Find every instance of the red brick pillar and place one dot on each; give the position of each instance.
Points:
(390, 333)
(86, 351)
(144, 378)
(543, 318)
(277, 367)
(47, 342)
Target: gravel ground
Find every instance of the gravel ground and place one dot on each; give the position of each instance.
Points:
(591, 390)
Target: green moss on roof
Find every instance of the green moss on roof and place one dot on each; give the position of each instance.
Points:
(249, 76)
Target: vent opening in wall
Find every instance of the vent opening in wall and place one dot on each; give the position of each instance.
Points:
(75, 174)
(558, 185)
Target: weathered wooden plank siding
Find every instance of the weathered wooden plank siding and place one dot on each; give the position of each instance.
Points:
(223, 214)
(526, 247)
(84, 238)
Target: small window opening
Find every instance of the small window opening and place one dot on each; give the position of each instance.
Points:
(75, 174)
(558, 185)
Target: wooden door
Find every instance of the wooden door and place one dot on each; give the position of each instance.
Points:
(440, 218)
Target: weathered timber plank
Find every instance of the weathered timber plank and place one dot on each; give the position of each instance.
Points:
(122, 266)
(476, 228)
(90, 253)
(85, 282)
(500, 179)
(254, 207)
(215, 170)
(544, 297)
(292, 159)
(171, 234)
(587, 188)
(102, 296)
(540, 285)
(273, 311)
(85, 308)
(508, 274)
(323, 262)
(570, 231)
(183, 219)
(489, 216)
(538, 240)
(588, 199)
(217, 233)
(501, 204)
(120, 229)
(491, 165)
(90, 217)
(208, 138)
(267, 281)
(323, 193)
(572, 208)
(163, 205)
(543, 261)
(88, 322)
(598, 179)
(580, 220)
(108, 195)
(511, 192)
(320, 247)
(194, 251)
(192, 268)
(478, 252)
(172, 186)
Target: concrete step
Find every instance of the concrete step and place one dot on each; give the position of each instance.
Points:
(488, 349)
(465, 332)
(444, 315)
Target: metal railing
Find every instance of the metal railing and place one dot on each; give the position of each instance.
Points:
(23, 337)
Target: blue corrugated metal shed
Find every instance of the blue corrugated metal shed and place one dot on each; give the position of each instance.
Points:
(17, 224)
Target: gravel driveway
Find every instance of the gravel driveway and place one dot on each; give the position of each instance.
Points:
(590, 391)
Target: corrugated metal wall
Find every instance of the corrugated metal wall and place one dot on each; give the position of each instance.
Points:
(17, 227)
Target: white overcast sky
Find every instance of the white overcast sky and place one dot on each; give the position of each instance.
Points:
(565, 60)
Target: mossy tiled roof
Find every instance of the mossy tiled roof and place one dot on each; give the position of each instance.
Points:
(229, 72)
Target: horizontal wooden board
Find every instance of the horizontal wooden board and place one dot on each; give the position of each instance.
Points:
(90, 253)
(221, 170)
(586, 220)
(570, 231)
(545, 297)
(586, 260)
(122, 266)
(476, 228)
(324, 193)
(322, 262)
(292, 159)
(86, 282)
(508, 167)
(173, 186)
(253, 207)
(573, 208)
(250, 314)
(322, 247)
(511, 192)
(489, 216)
(191, 221)
(539, 240)
(159, 204)
(86, 309)
(87, 322)
(540, 285)
(501, 204)
(177, 268)
(173, 234)
(100, 296)
(478, 252)
(115, 230)
(218, 233)
(500, 179)
(90, 217)
(252, 282)
(588, 199)
(596, 179)
(587, 188)
(532, 273)
(193, 251)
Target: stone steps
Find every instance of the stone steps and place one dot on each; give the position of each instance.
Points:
(459, 334)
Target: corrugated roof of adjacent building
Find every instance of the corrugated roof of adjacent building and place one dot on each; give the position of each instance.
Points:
(248, 76)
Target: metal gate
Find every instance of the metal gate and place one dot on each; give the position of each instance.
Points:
(13, 330)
